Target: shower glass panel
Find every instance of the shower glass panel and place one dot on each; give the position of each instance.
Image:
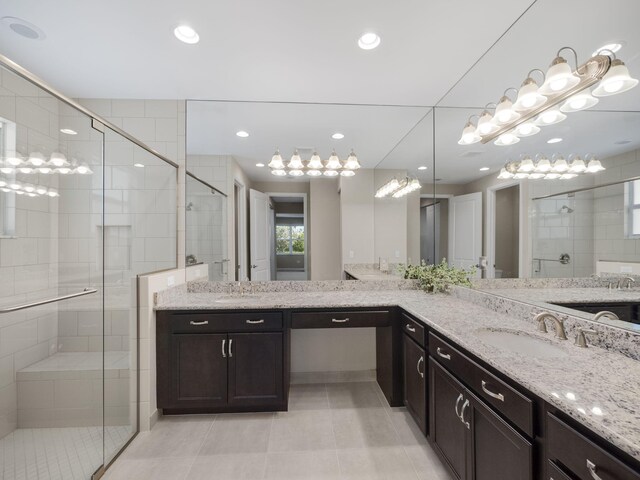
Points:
(206, 223)
(139, 232)
(51, 356)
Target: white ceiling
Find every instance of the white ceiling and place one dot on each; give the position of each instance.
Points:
(277, 50)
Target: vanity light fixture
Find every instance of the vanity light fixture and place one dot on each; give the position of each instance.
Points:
(37, 163)
(28, 189)
(563, 91)
(410, 185)
(543, 168)
(397, 188)
(314, 167)
(388, 188)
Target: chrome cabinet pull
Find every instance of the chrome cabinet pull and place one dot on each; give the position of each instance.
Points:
(464, 407)
(499, 396)
(204, 322)
(410, 328)
(592, 470)
(337, 320)
(255, 322)
(230, 345)
(460, 397)
(418, 366)
(224, 343)
(440, 353)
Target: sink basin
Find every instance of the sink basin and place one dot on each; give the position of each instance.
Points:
(237, 298)
(520, 342)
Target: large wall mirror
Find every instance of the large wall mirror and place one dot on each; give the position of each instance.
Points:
(305, 223)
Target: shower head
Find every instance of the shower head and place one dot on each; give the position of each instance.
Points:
(566, 209)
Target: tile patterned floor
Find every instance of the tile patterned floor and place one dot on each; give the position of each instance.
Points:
(57, 453)
(340, 431)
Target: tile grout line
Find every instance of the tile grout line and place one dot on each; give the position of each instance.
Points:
(266, 454)
(333, 430)
(204, 439)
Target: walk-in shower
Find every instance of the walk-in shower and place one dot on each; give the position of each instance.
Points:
(78, 223)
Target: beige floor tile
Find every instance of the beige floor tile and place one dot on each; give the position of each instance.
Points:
(426, 463)
(238, 433)
(171, 437)
(353, 395)
(406, 427)
(384, 463)
(150, 469)
(245, 466)
(308, 397)
(301, 431)
(363, 427)
(303, 466)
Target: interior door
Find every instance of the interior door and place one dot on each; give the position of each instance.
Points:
(259, 236)
(465, 230)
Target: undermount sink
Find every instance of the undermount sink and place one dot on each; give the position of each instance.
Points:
(520, 342)
(237, 298)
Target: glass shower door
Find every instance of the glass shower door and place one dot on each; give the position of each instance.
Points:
(51, 286)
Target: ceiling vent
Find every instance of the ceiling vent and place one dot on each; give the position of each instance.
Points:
(23, 28)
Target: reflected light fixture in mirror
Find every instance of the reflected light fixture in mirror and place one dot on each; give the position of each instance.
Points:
(543, 168)
(314, 167)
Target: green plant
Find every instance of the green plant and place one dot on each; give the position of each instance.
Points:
(438, 277)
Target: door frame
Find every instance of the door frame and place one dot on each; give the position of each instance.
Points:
(435, 197)
(490, 232)
(305, 210)
(240, 257)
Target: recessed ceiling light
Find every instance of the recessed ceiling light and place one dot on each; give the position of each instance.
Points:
(484, 169)
(260, 165)
(369, 41)
(612, 47)
(139, 165)
(24, 28)
(554, 140)
(337, 136)
(68, 131)
(422, 167)
(242, 134)
(186, 34)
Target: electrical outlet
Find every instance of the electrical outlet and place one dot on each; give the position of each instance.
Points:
(171, 281)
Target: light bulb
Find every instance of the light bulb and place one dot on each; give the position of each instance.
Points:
(352, 162)
(504, 111)
(279, 173)
(36, 159)
(40, 190)
(315, 162)
(45, 170)
(469, 135)
(276, 161)
(577, 166)
(83, 169)
(560, 165)
(7, 170)
(526, 165)
(528, 96)
(485, 124)
(58, 159)
(536, 176)
(26, 170)
(579, 101)
(296, 173)
(506, 139)
(63, 170)
(53, 193)
(543, 165)
(527, 129)
(559, 78)
(347, 173)
(594, 166)
(504, 174)
(616, 80)
(29, 188)
(14, 161)
(314, 173)
(296, 162)
(552, 176)
(550, 117)
(334, 162)
(330, 173)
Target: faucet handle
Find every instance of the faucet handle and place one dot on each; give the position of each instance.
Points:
(581, 339)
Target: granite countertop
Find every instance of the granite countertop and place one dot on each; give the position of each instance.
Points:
(597, 387)
(548, 297)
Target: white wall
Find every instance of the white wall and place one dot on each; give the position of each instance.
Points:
(324, 240)
(357, 217)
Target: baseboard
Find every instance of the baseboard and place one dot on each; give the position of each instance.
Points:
(333, 377)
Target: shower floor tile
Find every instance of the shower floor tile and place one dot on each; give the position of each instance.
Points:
(57, 453)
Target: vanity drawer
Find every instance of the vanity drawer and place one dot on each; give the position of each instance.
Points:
(413, 328)
(341, 319)
(225, 322)
(554, 473)
(502, 397)
(580, 456)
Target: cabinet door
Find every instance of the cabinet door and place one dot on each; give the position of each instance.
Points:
(496, 449)
(198, 370)
(447, 433)
(255, 369)
(415, 387)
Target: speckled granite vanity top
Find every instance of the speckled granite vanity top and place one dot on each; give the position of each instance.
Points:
(599, 388)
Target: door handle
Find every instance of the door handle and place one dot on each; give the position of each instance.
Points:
(255, 322)
(464, 407)
(442, 354)
(230, 345)
(421, 360)
(592, 470)
(460, 397)
(224, 343)
(410, 328)
(499, 396)
(204, 322)
(338, 320)
(254, 266)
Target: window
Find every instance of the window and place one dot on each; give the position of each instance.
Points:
(632, 227)
(290, 239)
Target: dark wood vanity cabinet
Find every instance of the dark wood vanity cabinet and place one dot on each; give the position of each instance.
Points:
(415, 381)
(220, 362)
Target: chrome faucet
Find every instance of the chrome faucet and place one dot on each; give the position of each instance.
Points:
(628, 280)
(605, 314)
(581, 339)
(558, 323)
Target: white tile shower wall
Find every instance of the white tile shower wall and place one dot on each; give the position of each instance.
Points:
(28, 261)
